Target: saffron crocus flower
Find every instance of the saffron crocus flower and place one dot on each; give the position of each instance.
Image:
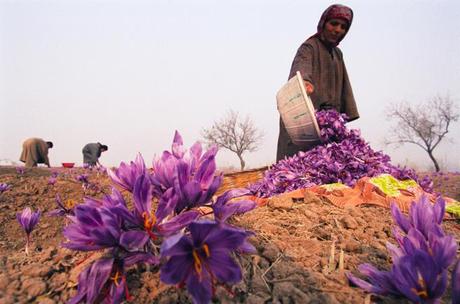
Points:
(144, 217)
(202, 258)
(52, 181)
(104, 281)
(83, 178)
(422, 230)
(4, 187)
(28, 219)
(125, 176)
(456, 284)
(419, 271)
(225, 207)
(196, 189)
(415, 277)
(95, 228)
(20, 170)
(62, 210)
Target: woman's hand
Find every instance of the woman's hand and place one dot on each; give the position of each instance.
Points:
(309, 87)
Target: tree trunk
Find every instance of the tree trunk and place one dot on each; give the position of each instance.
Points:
(242, 163)
(436, 165)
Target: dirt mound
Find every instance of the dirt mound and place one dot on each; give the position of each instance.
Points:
(304, 247)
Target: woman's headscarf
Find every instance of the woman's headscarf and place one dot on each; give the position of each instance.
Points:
(333, 12)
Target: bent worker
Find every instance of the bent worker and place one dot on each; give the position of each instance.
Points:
(35, 151)
(321, 64)
(92, 152)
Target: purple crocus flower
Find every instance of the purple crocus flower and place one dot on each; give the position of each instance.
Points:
(419, 271)
(456, 284)
(28, 219)
(62, 210)
(225, 206)
(202, 258)
(83, 178)
(4, 187)
(52, 181)
(95, 228)
(415, 277)
(125, 176)
(155, 224)
(20, 170)
(104, 281)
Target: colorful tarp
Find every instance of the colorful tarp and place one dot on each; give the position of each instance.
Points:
(381, 191)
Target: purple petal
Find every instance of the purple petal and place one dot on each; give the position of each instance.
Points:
(142, 194)
(224, 267)
(133, 240)
(456, 284)
(176, 269)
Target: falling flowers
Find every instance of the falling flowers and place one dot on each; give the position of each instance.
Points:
(28, 220)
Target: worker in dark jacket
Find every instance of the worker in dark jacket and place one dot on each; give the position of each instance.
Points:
(92, 152)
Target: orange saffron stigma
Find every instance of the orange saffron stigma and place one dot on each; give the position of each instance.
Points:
(422, 293)
(149, 220)
(197, 262)
(115, 278)
(206, 250)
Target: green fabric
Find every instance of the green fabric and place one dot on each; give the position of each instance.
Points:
(390, 185)
(454, 209)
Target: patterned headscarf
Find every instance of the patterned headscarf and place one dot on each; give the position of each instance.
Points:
(335, 11)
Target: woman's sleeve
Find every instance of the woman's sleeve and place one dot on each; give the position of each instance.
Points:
(348, 100)
(303, 62)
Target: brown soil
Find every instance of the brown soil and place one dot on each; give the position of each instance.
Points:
(296, 241)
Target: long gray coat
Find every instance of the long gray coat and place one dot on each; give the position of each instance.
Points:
(326, 70)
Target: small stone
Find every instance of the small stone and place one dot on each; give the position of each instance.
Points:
(37, 270)
(7, 299)
(4, 280)
(254, 299)
(280, 203)
(271, 252)
(45, 301)
(34, 287)
(352, 246)
(349, 222)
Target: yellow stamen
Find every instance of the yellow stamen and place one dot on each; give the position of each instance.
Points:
(206, 250)
(70, 203)
(197, 262)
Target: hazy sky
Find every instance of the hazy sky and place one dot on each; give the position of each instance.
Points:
(129, 73)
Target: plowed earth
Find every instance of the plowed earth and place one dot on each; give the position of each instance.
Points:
(304, 247)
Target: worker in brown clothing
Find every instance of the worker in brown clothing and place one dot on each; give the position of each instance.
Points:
(321, 64)
(35, 151)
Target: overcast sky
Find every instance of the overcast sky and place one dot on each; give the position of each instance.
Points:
(129, 73)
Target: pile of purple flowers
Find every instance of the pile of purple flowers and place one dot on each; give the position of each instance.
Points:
(420, 259)
(174, 224)
(343, 157)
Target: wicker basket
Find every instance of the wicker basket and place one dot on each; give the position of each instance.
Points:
(241, 179)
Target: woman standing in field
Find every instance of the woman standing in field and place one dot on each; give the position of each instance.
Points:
(320, 62)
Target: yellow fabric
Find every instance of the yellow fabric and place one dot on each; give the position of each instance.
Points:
(390, 185)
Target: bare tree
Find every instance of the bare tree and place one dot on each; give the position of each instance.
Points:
(234, 134)
(424, 125)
